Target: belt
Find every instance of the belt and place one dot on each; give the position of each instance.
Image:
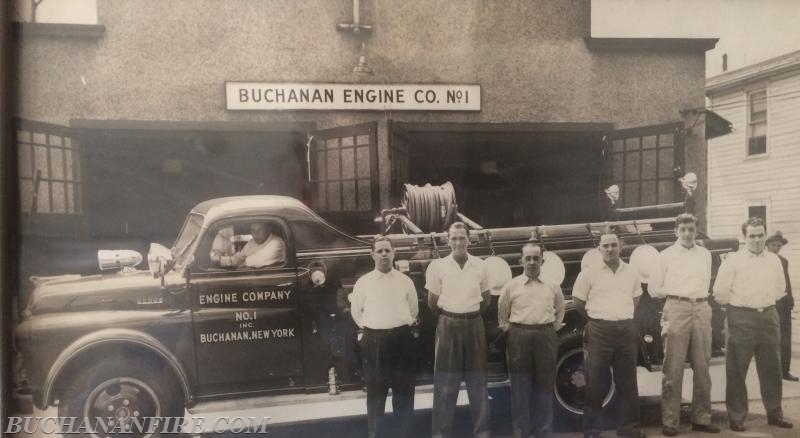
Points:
(532, 326)
(691, 300)
(468, 315)
(751, 309)
(609, 321)
(389, 330)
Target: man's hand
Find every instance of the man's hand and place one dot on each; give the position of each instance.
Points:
(580, 306)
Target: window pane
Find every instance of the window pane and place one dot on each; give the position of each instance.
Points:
(23, 135)
(333, 166)
(666, 140)
(39, 138)
(757, 145)
(617, 145)
(632, 166)
(347, 141)
(332, 143)
(57, 163)
(649, 193)
(630, 194)
(40, 160)
(76, 165)
(758, 130)
(665, 157)
(70, 198)
(758, 102)
(59, 198)
(43, 204)
(362, 139)
(319, 169)
(26, 194)
(364, 195)
(348, 163)
(666, 191)
(68, 162)
(649, 163)
(334, 197)
(24, 151)
(67, 142)
(362, 162)
(758, 211)
(632, 144)
(349, 195)
(55, 140)
(649, 142)
(616, 168)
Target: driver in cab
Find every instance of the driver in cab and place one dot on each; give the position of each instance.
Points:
(264, 249)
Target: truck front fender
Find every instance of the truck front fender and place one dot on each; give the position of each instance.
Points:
(113, 337)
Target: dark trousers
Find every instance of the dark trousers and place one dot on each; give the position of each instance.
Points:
(460, 355)
(531, 354)
(752, 333)
(389, 358)
(611, 344)
(784, 308)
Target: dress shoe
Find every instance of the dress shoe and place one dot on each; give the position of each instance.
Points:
(669, 431)
(738, 427)
(790, 377)
(779, 422)
(631, 433)
(707, 428)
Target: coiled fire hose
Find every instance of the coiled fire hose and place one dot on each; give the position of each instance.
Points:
(432, 208)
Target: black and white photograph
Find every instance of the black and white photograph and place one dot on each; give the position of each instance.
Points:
(420, 218)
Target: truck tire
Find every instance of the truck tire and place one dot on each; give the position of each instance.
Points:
(570, 384)
(122, 388)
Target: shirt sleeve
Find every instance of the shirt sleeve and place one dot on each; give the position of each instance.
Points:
(580, 289)
(707, 271)
(411, 297)
(504, 306)
(656, 286)
(484, 277)
(357, 299)
(637, 285)
(432, 281)
(724, 281)
(271, 254)
(559, 306)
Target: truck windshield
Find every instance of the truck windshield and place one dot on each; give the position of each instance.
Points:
(188, 235)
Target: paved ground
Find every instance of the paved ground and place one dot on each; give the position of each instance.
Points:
(342, 424)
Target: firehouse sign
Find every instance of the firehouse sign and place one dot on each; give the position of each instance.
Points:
(268, 96)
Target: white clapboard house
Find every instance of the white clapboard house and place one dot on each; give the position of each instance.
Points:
(755, 170)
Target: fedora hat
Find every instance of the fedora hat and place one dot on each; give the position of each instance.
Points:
(777, 237)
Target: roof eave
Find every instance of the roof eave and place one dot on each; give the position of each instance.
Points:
(655, 44)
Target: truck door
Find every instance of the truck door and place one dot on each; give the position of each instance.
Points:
(247, 330)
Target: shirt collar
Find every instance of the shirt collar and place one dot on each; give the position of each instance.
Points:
(381, 274)
(470, 259)
(622, 267)
(526, 279)
(682, 248)
(753, 255)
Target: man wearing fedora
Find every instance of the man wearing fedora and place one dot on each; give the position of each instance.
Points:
(784, 306)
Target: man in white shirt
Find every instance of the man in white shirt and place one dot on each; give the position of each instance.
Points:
(264, 249)
(458, 289)
(384, 305)
(748, 283)
(683, 279)
(607, 295)
(531, 311)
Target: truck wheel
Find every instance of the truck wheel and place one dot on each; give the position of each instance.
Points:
(127, 390)
(570, 385)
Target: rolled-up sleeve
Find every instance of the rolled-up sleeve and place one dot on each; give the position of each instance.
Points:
(432, 281)
(411, 297)
(580, 289)
(504, 306)
(357, 299)
(724, 281)
(558, 304)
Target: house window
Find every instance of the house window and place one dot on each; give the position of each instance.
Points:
(49, 170)
(758, 211)
(55, 11)
(757, 128)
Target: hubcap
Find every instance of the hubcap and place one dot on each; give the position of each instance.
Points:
(126, 401)
(570, 386)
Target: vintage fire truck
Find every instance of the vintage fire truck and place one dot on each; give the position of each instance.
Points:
(150, 343)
